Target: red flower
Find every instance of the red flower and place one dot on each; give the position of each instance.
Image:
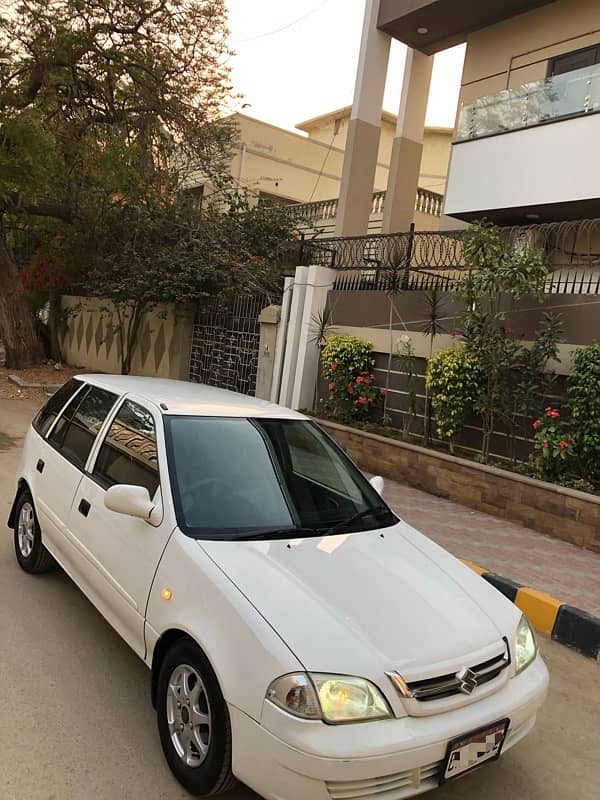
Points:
(507, 330)
(362, 400)
(548, 409)
(334, 366)
(350, 389)
(563, 445)
(454, 334)
(331, 387)
(360, 379)
(555, 414)
(537, 424)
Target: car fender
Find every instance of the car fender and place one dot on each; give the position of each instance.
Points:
(191, 594)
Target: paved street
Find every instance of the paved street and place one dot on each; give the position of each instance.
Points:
(76, 722)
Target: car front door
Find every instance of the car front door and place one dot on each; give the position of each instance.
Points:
(124, 551)
(60, 462)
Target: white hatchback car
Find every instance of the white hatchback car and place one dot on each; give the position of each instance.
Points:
(300, 636)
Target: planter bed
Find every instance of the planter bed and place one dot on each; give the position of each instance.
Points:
(563, 513)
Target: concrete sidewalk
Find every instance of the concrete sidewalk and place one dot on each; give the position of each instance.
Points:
(506, 548)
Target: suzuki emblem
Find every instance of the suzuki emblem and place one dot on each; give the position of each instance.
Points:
(467, 680)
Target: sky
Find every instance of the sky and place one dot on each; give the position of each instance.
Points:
(296, 59)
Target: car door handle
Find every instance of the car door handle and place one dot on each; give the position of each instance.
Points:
(40, 465)
(84, 507)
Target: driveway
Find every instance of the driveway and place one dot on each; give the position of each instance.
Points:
(76, 721)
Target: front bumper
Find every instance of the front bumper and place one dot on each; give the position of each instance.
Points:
(290, 759)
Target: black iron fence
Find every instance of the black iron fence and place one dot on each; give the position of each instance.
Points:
(569, 246)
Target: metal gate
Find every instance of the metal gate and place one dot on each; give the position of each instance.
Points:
(225, 344)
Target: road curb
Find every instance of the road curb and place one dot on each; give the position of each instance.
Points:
(561, 622)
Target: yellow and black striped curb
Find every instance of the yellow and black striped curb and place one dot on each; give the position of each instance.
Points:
(549, 616)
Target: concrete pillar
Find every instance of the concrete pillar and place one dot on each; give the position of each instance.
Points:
(405, 164)
(282, 334)
(319, 283)
(293, 336)
(362, 145)
(269, 322)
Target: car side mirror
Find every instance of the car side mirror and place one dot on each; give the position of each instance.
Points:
(378, 484)
(131, 500)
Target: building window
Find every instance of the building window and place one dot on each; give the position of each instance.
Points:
(195, 194)
(569, 62)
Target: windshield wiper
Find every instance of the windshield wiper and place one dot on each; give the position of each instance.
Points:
(347, 523)
(277, 533)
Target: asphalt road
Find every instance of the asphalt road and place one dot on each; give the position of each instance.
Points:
(76, 721)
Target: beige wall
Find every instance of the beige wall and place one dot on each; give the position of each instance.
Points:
(517, 51)
(91, 340)
(300, 168)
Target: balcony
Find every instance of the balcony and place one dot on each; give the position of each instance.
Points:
(529, 153)
(320, 216)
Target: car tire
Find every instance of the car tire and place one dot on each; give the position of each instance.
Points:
(193, 721)
(29, 549)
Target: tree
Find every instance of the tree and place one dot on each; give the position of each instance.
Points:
(103, 102)
(159, 252)
(498, 274)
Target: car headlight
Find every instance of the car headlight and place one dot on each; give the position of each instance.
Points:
(332, 698)
(525, 645)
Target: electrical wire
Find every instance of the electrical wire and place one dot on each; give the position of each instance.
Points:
(322, 170)
(284, 27)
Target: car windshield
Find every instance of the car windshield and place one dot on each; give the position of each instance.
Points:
(247, 478)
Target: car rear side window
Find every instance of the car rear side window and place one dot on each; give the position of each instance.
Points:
(77, 428)
(128, 453)
(46, 416)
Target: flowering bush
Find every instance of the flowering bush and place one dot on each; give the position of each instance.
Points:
(347, 365)
(554, 446)
(453, 376)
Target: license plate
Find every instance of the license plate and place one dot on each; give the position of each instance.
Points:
(474, 749)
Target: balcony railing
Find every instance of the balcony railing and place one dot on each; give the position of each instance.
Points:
(426, 202)
(571, 94)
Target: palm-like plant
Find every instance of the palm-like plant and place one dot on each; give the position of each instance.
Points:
(433, 326)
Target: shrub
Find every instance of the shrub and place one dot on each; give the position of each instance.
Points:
(584, 402)
(453, 377)
(347, 365)
(554, 446)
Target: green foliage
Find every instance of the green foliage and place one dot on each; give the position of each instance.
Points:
(347, 365)
(584, 403)
(454, 378)
(498, 274)
(554, 446)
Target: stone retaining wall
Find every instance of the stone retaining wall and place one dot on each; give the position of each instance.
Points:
(563, 513)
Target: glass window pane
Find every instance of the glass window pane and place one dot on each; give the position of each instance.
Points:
(232, 476)
(78, 426)
(128, 454)
(52, 409)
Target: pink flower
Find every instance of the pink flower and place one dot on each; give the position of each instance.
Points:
(383, 392)
(331, 387)
(334, 366)
(362, 400)
(350, 389)
(537, 424)
(555, 414)
(360, 379)
(563, 445)
(507, 330)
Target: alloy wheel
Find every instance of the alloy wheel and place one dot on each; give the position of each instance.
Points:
(26, 530)
(188, 715)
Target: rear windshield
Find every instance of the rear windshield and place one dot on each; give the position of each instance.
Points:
(243, 475)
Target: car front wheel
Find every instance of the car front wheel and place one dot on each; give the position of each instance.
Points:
(193, 721)
(31, 553)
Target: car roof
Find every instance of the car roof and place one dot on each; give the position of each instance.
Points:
(196, 399)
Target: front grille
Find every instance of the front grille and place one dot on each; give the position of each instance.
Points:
(449, 685)
(388, 787)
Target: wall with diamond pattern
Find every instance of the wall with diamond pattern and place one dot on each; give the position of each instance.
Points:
(91, 339)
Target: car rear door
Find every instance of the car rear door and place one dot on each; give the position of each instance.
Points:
(124, 551)
(59, 469)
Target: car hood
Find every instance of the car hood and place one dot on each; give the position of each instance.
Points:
(362, 603)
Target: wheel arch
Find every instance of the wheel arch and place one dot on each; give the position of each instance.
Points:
(161, 648)
(22, 486)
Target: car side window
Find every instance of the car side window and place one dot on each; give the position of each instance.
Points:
(128, 453)
(77, 428)
(48, 413)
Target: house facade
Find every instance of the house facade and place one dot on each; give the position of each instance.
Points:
(283, 167)
(525, 145)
